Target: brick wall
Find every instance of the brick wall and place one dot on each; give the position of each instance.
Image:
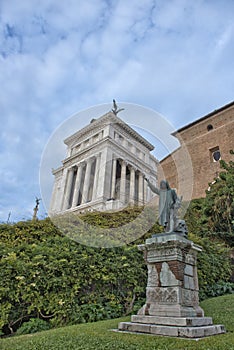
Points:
(201, 142)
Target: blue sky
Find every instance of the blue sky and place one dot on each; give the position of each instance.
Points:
(60, 57)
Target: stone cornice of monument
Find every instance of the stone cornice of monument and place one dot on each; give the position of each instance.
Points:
(72, 160)
(57, 171)
(107, 119)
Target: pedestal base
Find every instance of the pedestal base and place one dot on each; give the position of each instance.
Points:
(196, 327)
(172, 301)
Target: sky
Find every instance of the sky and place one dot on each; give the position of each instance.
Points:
(58, 58)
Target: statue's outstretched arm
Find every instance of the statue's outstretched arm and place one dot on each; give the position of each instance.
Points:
(152, 187)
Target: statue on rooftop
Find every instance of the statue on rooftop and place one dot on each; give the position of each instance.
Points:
(115, 109)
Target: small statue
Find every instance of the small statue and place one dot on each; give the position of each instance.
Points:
(169, 204)
(115, 109)
(179, 225)
(35, 210)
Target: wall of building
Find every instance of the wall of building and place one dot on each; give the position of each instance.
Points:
(203, 140)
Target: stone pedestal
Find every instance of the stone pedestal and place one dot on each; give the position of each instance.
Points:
(172, 302)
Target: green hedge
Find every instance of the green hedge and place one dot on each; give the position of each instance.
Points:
(44, 274)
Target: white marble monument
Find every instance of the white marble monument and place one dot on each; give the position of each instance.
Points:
(104, 168)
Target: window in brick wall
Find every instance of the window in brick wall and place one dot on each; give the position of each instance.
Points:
(215, 154)
(209, 127)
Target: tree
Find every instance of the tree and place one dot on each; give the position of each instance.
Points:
(219, 203)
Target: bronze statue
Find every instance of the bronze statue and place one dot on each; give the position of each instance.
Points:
(115, 109)
(35, 210)
(169, 204)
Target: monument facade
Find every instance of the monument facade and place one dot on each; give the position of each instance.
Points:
(104, 168)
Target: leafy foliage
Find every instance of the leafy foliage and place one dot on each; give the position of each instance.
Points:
(219, 289)
(45, 274)
(219, 203)
(194, 216)
(33, 326)
(213, 216)
(107, 229)
(213, 265)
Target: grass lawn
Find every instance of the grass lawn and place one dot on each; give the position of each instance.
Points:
(98, 336)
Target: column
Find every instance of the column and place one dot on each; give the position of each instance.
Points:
(101, 175)
(54, 195)
(68, 189)
(141, 190)
(123, 182)
(113, 181)
(95, 182)
(77, 186)
(145, 191)
(62, 190)
(132, 186)
(91, 181)
(86, 181)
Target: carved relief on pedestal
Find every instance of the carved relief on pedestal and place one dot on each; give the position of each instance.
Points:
(161, 295)
(160, 254)
(190, 259)
(168, 295)
(151, 295)
(190, 297)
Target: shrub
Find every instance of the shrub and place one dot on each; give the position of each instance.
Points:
(217, 290)
(214, 266)
(33, 326)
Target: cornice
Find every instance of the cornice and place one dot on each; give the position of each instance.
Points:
(86, 151)
(122, 153)
(119, 151)
(107, 119)
(57, 170)
(87, 129)
(207, 116)
(133, 133)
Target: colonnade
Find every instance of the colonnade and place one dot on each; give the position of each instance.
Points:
(125, 183)
(81, 182)
(128, 183)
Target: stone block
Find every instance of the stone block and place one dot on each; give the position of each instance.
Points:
(188, 270)
(173, 321)
(161, 295)
(164, 330)
(189, 297)
(172, 331)
(171, 310)
(135, 327)
(200, 332)
(152, 276)
(189, 282)
(190, 332)
(165, 237)
(213, 330)
(167, 278)
(190, 259)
